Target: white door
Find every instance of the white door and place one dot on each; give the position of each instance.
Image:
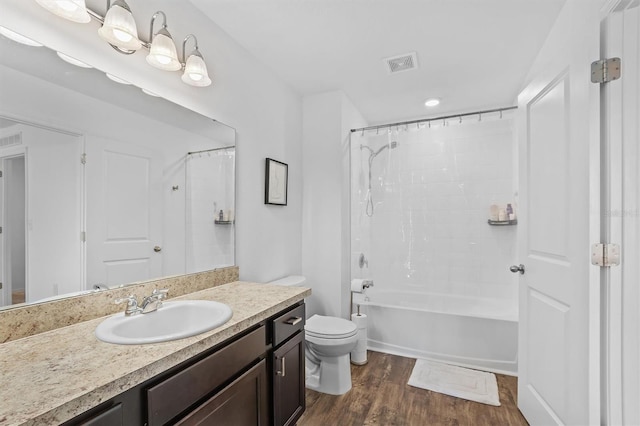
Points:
(124, 208)
(558, 133)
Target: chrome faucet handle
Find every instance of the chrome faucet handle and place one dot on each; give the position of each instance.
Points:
(132, 305)
(154, 301)
(367, 283)
(160, 294)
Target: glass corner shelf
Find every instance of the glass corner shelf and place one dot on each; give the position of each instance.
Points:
(502, 222)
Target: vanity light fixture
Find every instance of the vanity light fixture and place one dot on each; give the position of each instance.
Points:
(120, 31)
(195, 70)
(73, 61)
(72, 10)
(119, 28)
(162, 52)
(18, 38)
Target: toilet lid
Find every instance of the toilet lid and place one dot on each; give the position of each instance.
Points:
(330, 327)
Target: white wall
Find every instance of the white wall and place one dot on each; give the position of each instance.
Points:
(328, 117)
(245, 95)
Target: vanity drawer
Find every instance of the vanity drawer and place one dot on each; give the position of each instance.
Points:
(174, 395)
(287, 324)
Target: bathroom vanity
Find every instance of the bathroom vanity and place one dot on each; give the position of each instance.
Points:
(250, 371)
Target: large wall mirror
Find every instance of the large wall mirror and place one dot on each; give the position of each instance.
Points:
(103, 184)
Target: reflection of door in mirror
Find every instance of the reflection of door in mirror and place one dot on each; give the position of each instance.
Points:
(41, 212)
(124, 223)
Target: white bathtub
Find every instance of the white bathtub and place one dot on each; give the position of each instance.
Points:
(470, 332)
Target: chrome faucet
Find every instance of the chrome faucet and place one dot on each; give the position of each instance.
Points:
(149, 304)
(367, 283)
(132, 305)
(153, 302)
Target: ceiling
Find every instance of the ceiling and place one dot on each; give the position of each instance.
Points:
(473, 54)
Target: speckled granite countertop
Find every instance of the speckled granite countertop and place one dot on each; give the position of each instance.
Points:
(51, 377)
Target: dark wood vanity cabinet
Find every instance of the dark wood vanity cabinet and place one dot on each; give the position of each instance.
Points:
(253, 379)
(288, 378)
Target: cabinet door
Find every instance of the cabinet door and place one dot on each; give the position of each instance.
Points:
(245, 402)
(288, 381)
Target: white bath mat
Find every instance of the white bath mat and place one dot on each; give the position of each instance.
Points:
(455, 381)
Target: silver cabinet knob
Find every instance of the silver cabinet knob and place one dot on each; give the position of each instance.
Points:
(517, 268)
(157, 249)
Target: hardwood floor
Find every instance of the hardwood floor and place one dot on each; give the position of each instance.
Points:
(380, 396)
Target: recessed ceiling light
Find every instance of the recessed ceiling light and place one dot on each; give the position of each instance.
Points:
(432, 102)
(73, 61)
(116, 79)
(12, 35)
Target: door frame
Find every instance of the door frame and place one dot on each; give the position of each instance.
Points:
(617, 196)
(6, 294)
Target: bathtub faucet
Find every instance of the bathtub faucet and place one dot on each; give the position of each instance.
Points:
(367, 283)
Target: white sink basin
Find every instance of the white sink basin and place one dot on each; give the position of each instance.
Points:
(172, 321)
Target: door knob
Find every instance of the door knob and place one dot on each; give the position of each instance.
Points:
(517, 268)
(157, 249)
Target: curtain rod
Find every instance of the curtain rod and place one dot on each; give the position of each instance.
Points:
(210, 150)
(425, 120)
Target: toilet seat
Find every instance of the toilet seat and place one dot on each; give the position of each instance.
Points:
(330, 327)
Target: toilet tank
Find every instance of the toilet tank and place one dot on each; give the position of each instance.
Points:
(290, 280)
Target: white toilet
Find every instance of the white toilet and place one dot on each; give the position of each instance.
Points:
(328, 342)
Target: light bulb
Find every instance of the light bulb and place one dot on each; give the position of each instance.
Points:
(122, 36)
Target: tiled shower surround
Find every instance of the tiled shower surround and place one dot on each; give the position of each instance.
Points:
(431, 196)
(209, 191)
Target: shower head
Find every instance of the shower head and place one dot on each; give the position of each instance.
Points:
(390, 145)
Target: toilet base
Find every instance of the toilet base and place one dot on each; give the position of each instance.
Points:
(332, 376)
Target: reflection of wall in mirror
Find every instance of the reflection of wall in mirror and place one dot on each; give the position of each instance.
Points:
(53, 220)
(96, 121)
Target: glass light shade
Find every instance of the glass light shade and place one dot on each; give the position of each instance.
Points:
(73, 61)
(162, 53)
(195, 71)
(18, 38)
(119, 27)
(72, 10)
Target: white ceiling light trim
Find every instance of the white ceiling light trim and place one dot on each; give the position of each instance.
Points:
(432, 102)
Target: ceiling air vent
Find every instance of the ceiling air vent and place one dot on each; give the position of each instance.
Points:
(11, 140)
(400, 63)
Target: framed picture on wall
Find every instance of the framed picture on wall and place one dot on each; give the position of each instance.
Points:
(275, 188)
